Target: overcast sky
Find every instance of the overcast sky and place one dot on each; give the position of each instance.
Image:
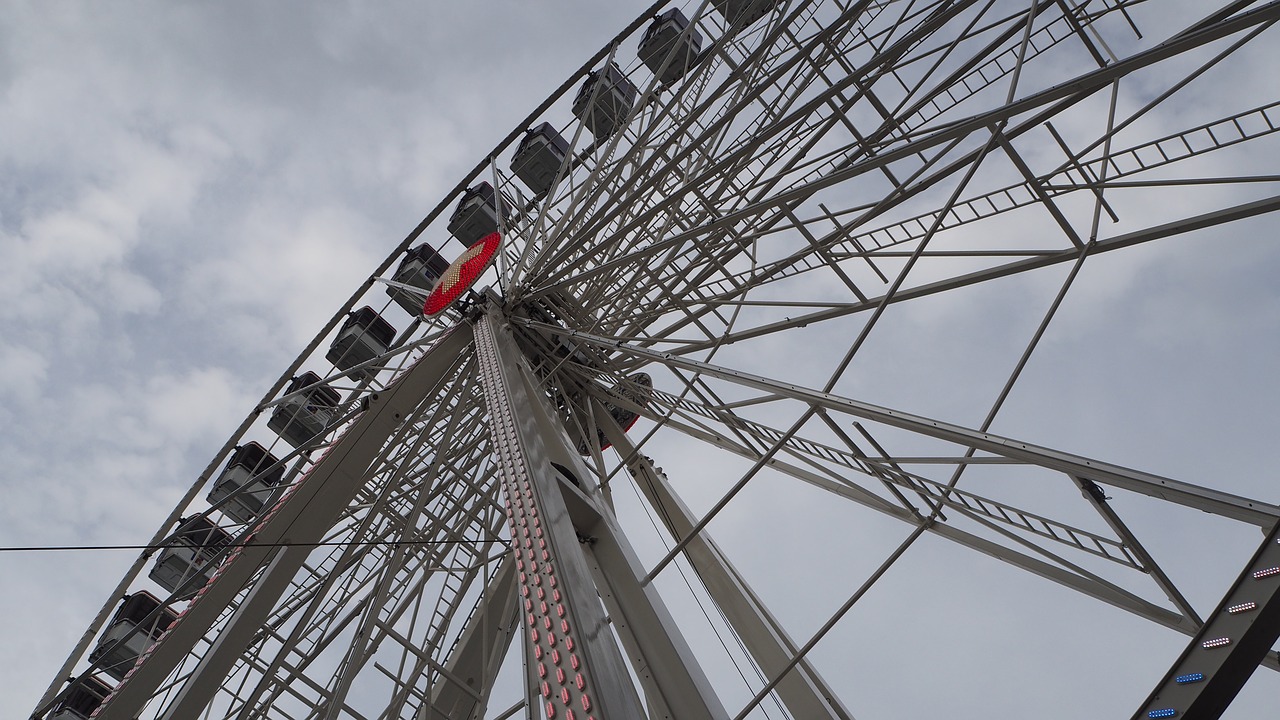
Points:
(188, 191)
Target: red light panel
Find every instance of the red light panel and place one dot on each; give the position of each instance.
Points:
(462, 274)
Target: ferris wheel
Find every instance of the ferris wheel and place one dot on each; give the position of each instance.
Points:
(643, 417)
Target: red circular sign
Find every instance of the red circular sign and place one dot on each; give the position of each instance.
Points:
(462, 274)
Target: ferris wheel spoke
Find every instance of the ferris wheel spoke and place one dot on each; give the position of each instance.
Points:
(792, 124)
(1169, 149)
(1255, 512)
(694, 283)
(1034, 261)
(687, 145)
(280, 563)
(784, 144)
(834, 463)
(877, 242)
(780, 165)
(1047, 565)
(817, 468)
(1056, 98)
(368, 627)
(411, 556)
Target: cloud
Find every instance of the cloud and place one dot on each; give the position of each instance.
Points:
(23, 372)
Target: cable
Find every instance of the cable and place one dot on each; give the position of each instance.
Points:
(702, 606)
(57, 548)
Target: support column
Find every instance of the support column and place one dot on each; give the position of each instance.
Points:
(574, 653)
(550, 511)
(803, 690)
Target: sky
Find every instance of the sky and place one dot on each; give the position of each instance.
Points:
(189, 191)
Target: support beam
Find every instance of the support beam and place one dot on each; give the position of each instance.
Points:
(1037, 261)
(1107, 593)
(675, 686)
(477, 657)
(1235, 638)
(574, 650)
(553, 507)
(803, 692)
(1201, 498)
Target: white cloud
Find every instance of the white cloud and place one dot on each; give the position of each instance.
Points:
(22, 373)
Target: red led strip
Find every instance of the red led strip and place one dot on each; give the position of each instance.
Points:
(549, 630)
(562, 677)
(462, 274)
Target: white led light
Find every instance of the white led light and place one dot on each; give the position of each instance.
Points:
(1266, 573)
(1242, 607)
(1216, 642)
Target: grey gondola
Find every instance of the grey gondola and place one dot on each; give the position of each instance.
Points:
(81, 700)
(604, 110)
(741, 13)
(302, 417)
(476, 214)
(538, 158)
(421, 268)
(188, 562)
(662, 39)
(247, 469)
(364, 336)
(120, 645)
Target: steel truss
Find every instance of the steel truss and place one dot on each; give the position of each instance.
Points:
(743, 237)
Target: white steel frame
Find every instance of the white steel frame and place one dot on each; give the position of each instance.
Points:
(821, 166)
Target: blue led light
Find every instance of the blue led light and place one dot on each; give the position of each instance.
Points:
(1166, 712)
(1189, 678)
